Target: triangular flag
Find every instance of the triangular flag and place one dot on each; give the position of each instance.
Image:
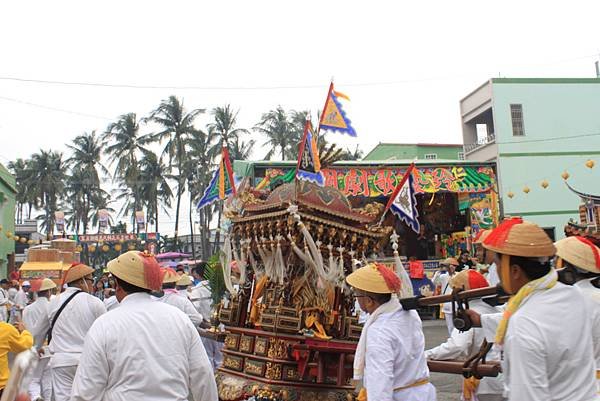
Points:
(221, 185)
(333, 117)
(309, 166)
(403, 202)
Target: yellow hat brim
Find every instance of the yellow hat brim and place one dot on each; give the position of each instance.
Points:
(129, 268)
(368, 278)
(577, 253)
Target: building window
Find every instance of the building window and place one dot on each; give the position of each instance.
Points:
(461, 156)
(516, 116)
(430, 156)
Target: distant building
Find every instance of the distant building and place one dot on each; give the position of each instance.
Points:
(8, 191)
(421, 151)
(535, 129)
(28, 230)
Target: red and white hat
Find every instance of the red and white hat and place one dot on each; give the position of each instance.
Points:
(468, 280)
(580, 252)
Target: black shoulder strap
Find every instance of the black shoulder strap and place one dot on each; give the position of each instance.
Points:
(58, 312)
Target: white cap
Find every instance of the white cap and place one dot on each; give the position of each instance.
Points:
(26, 284)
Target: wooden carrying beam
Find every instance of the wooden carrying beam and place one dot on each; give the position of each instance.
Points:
(416, 302)
(457, 368)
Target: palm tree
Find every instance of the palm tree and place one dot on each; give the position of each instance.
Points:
(298, 121)
(223, 128)
(241, 150)
(48, 169)
(124, 146)
(155, 187)
(276, 126)
(177, 125)
(356, 154)
(84, 182)
(26, 195)
(198, 171)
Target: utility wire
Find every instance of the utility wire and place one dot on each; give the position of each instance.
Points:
(41, 106)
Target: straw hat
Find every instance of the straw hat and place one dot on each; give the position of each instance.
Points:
(169, 275)
(468, 280)
(376, 278)
(77, 271)
(137, 268)
(517, 237)
(579, 252)
(42, 285)
(481, 236)
(184, 280)
(449, 262)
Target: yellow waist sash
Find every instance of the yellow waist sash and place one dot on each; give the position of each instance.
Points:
(415, 384)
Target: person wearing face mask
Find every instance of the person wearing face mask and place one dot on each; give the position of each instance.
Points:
(545, 332)
(70, 316)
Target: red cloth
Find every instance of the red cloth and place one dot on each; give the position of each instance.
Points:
(416, 269)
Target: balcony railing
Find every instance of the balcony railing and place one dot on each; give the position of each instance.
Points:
(469, 147)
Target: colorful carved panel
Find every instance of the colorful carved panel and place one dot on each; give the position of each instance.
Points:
(233, 362)
(375, 182)
(232, 341)
(273, 371)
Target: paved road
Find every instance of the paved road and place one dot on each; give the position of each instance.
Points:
(448, 386)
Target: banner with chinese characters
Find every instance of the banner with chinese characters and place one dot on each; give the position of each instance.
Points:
(376, 182)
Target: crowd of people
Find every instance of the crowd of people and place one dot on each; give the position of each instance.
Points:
(135, 332)
(149, 347)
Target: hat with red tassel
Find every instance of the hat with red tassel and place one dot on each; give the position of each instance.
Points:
(517, 237)
(376, 278)
(137, 268)
(468, 280)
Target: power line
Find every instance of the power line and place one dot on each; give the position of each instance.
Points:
(41, 106)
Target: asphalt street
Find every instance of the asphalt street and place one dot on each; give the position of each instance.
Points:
(448, 386)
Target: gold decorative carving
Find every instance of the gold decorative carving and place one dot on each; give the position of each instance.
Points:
(273, 371)
(290, 373)
(232, 341)
(247, 344)
(278, 349)
(255, 368)
(233, 363)
(261, 346)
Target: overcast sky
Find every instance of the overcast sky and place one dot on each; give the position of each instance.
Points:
(405, 65)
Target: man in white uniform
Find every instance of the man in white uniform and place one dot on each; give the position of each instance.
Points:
(174, 298)
(70, 327)
(143, 350)
(4, 301)
(545, 331)
(201, 298)
(462, 345)
(41, 381)
(390, 358)
(21, 299)
(582, 258)
(441, 279)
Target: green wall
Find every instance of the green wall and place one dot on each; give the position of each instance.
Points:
(563, 109)
(7, 217)
(400, 151)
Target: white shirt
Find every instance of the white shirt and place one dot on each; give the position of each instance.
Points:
(492, 276)
(143, 351)
(32, 314)
(21, 298)
(4, 302)
(12, 293)
(395, 358)
(202, 299)
(181, 302)
(462, 345)
(111, 302)
(592, 295)
(443, 281)
(71, 326)
(547, 348)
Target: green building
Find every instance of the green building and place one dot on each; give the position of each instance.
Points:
(535, 129)
(421, 151)
(7, 218)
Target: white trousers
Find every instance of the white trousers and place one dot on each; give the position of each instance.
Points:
(213, 350)
(41, 381)
(449, 322)
(62, 382)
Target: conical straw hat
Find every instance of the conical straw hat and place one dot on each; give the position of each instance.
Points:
(77, 271)
(184, 280)
(579, 252)
(169, 275)
(468, 280)
(42, 285)
(517, 237)
(137, 268)
(481, 236)
(376, 278)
